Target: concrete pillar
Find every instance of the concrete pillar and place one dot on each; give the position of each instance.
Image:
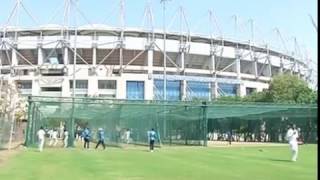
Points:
(182, 60)
(255, 67)
(66, 91)
(66, 56)
(14, 62)
(14, 58)
(182, 52)
(150, 60)
(35, 87)
(121, 89)
(269, 66)
(281, 65)
(212, 63)
(242, 90)
(214, 89)
(183, 90)
(148, 89)
(238, 70)
(40, 55)
(93, 86)
(94, 54)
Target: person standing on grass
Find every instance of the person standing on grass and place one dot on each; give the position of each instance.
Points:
(230, 137)
(152, 135)
(65, 138)
(86, 134)
(41, 133)
(127, 136)
(292, 135)
(54, 138)
(101, 138)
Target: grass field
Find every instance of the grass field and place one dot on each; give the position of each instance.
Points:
(228, 163)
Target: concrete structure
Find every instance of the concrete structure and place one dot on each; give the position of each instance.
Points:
(128, 63)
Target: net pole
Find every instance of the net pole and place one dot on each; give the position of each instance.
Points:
(35, 120)
(27, 135)
(205, 122)
(71, 124)
(158, 128)
(13, 111)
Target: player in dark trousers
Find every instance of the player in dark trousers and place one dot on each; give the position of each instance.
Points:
(101, 138)
(230, 137)
(152, 135)
(86, 134)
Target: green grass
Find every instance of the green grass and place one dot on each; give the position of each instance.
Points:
(235, 163)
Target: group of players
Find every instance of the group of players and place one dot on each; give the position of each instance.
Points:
(53, 137)
(292, 137)
(86, 136)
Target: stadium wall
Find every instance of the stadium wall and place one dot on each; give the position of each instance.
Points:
(115, 64)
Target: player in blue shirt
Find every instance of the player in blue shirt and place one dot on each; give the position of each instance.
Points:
(100, 138)
(152, 135)
(86, 134)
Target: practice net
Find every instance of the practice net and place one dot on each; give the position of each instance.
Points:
(176, 123)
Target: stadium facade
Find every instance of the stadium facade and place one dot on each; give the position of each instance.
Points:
(128, 63)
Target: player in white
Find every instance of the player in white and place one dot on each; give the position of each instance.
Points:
(50, 133)
(54, 138)
(41, 134)
(127, 136)
(292, 136)
(65, 138)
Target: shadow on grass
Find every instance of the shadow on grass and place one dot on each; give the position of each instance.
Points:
(280, 160)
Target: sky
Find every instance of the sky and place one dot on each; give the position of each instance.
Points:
(289, 16)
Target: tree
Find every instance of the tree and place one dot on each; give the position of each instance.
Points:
(284, 88)
(263, 96)
(287, 88)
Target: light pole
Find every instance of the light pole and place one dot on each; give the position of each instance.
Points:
(164, 51)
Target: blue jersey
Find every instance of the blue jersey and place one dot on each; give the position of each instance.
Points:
(101, 135)
(152, 135)
(86, 134)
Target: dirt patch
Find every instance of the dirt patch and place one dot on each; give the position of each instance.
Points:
(5, 154)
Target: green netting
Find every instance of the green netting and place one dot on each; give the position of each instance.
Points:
(185, 123)
(4, 131)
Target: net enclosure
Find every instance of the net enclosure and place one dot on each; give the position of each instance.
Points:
(176, 123)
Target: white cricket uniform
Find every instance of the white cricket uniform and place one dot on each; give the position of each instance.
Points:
(127, 136)
(54, 139)
(50, 133)
(41, 133)
(65, 140)
(292, 136)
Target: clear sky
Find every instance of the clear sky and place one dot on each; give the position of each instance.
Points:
(290, 16)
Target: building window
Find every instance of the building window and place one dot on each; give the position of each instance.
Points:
(107, 84)
(227, 89)
(135, 90)
(172, 91)
(108, 96)
(250, 90)
(54, 89)
(54, 56)
(198, 90)
(24, 84)
(80, 84)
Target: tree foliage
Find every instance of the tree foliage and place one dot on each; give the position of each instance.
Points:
(284, 88)
(287, 88)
